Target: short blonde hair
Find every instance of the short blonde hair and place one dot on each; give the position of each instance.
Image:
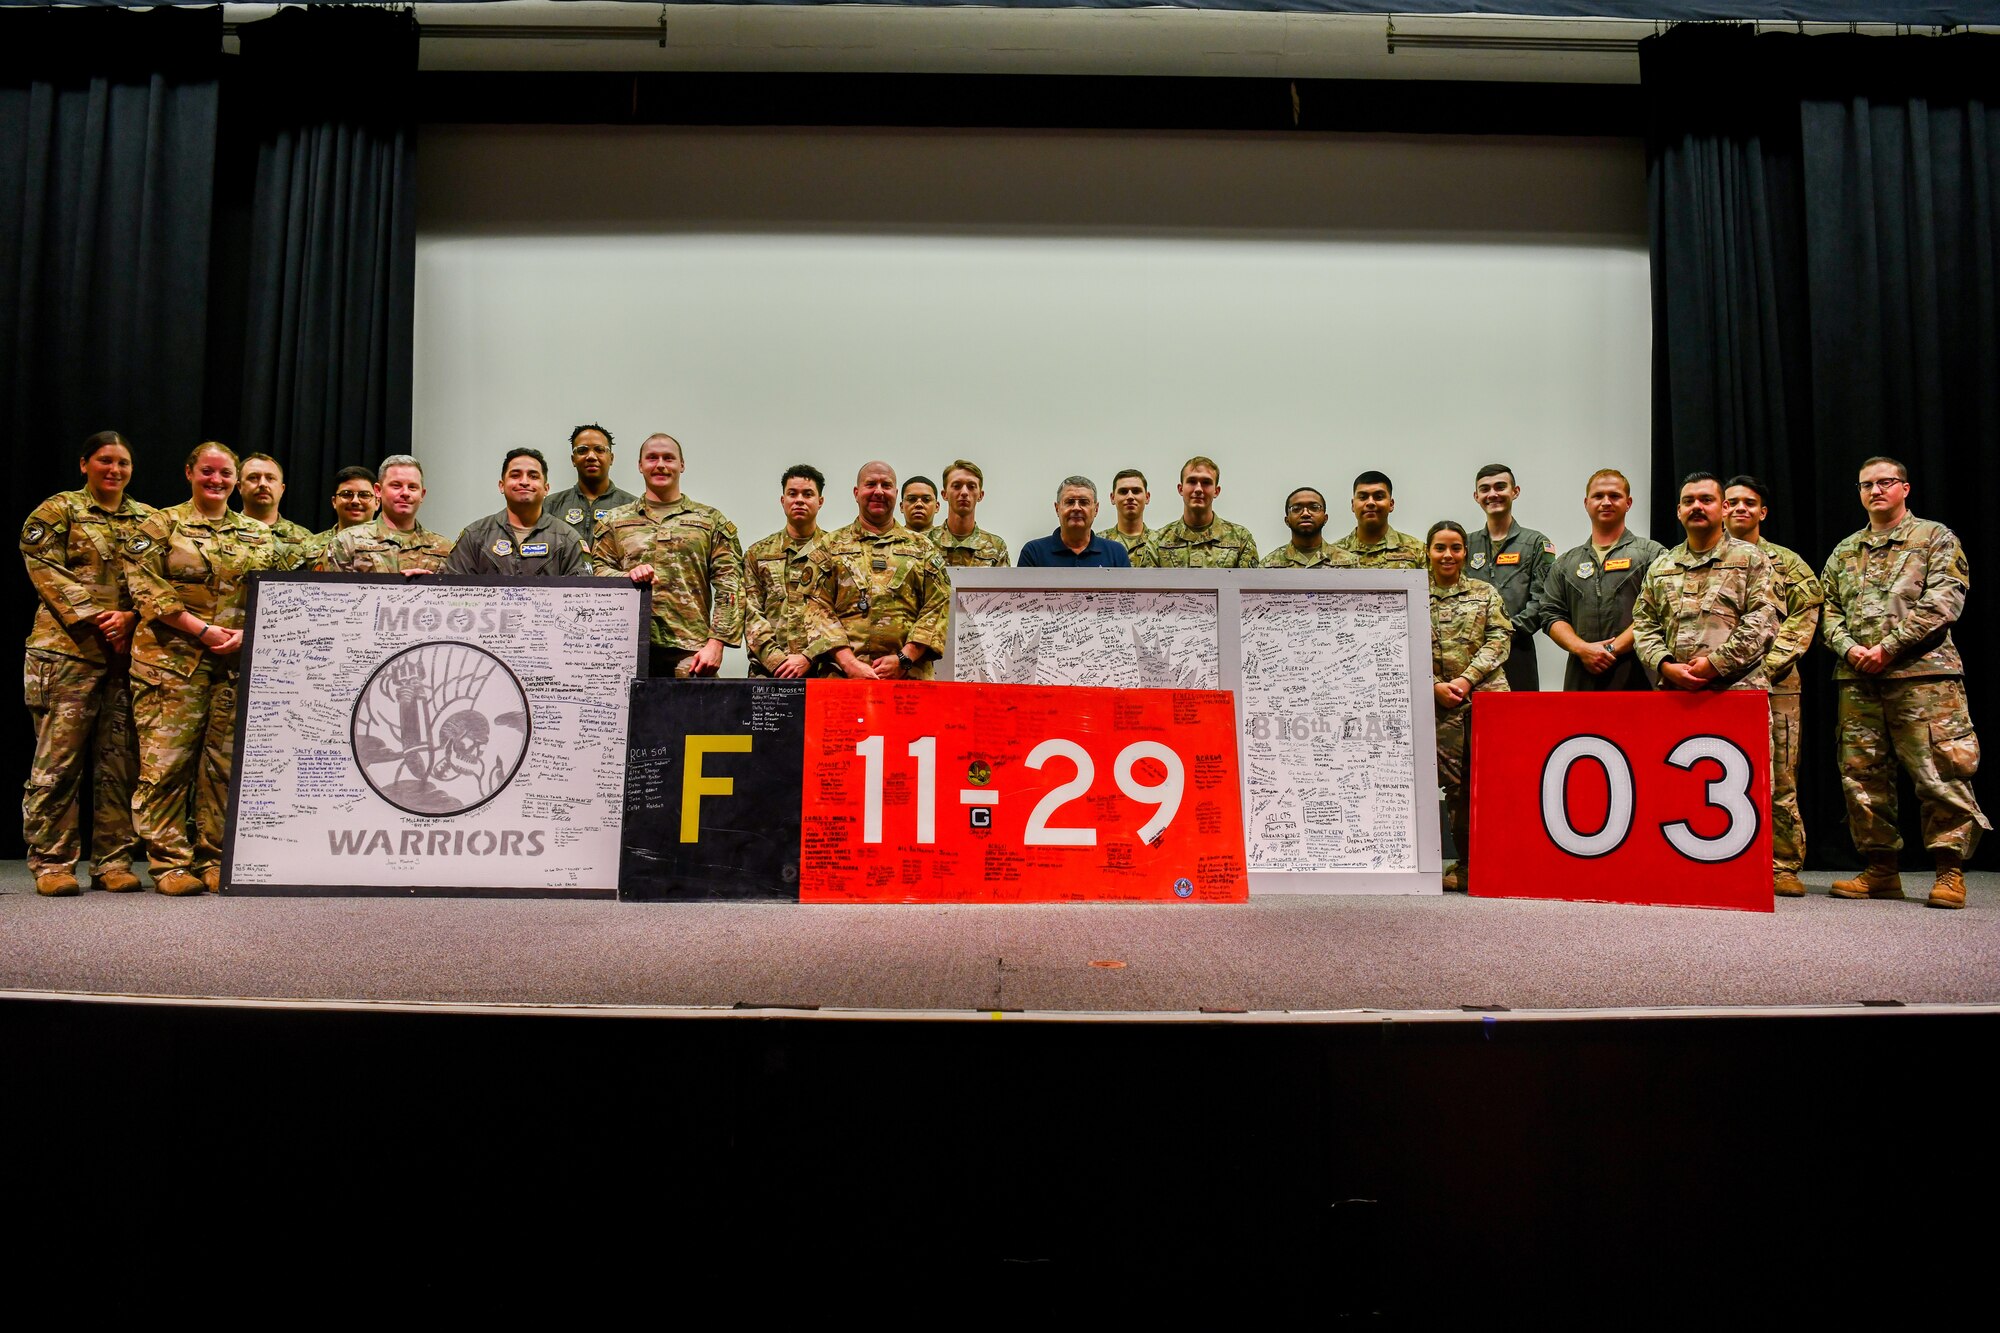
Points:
(1623, 480)
(218, 447)
(1201, 460)
(962, 465)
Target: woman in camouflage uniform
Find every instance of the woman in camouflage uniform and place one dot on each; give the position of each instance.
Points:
(77, 685)
(188, 568)
(1470, 639)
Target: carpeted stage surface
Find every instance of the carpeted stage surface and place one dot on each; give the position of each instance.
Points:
(1274, 954)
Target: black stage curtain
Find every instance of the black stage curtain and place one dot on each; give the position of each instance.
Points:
(107, 166)
(332, 255)
(107, 152)
(1826, 273)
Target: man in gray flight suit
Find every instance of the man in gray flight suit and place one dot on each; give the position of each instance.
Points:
(1588, 595)
(523, 540)
(1516, 561)
(594, 494)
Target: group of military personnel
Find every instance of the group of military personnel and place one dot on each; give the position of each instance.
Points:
(1728, 608)
(133, 654)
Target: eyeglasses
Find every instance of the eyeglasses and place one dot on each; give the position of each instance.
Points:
(354, 495)
(1890, 484)
(1306, 508)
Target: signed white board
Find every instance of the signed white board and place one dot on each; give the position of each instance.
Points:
(449, 736)
(1120, 638)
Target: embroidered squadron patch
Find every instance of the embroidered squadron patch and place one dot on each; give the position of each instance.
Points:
(503, 547)
(1511, 558)
(1622, 562)
(32, 534)
(574, 516)
(533, 549)
(1584, 569)
(139, 544)
(1479, 559)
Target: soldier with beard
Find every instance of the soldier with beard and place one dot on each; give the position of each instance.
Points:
(594, 495)
(1305, 515)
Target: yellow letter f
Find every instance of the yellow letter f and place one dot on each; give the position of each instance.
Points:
(694, 785)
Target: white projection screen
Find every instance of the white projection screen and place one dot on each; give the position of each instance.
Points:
(1300, 308)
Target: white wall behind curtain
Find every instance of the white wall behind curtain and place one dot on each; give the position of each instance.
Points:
(1300, 309)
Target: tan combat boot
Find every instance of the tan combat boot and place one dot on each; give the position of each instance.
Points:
(1454, 878)
(178, 883)
(211, 879)
(1949, 891)
(1787, 884)
(1878, 880)
(118, 879)
(57, 884)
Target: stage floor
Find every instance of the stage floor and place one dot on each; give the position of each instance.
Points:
(1274, 955)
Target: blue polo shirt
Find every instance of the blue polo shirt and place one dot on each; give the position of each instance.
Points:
(1050, 553)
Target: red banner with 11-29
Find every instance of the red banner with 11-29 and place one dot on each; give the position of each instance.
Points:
(877, 792)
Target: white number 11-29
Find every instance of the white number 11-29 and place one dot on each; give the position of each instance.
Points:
(1164, 796)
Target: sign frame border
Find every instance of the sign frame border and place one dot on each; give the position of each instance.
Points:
(1228, 585)
(246, 659)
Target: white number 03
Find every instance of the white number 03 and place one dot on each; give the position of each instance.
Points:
(1729, 793)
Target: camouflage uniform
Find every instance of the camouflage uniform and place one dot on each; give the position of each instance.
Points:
(1324, 556)
(1220, 545)
(488, 547)
(1904, 588)
(297, 539)
(889, 589)
(313, 549)
(183, 696)
(1470, 636)
(1720, 604)
(1131, 544)
(583, 513)
(1594, 597)
(1799, 596)
(290, 533)
(781, 615)
(697, 565)
(78, 691)
(978, 549)
(1517, 565)
(376, 548)
(1396, 550)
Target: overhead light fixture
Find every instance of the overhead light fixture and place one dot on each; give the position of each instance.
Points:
(1452, 41)
(1547, 43)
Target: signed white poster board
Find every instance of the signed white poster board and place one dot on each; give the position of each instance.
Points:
(433, 735)
(1332, 675)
